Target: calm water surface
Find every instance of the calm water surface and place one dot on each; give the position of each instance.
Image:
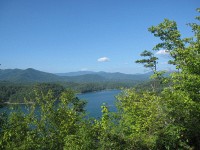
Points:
(96, 99)
(94, 102)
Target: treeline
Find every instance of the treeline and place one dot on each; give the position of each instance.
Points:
(8, 91)
(18, 92)
(162, 119)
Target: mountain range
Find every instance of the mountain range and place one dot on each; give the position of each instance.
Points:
(32, 75)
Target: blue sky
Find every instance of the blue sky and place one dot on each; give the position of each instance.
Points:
(97, 35)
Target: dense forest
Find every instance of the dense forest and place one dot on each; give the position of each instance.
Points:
(164, 118)
(14, 92)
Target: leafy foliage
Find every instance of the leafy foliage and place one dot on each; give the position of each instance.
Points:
(46, 125)
(147, 123)
(150, 62)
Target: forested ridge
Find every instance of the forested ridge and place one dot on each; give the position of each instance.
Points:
(13, 92)
(31, 75)
(164, 118)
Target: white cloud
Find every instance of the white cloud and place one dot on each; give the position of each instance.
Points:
(84, 69)
(162, 52)
(103, 59)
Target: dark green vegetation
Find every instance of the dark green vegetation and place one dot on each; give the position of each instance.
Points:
(28, 75)
(18, 92)
(16, 84)
(146, 119)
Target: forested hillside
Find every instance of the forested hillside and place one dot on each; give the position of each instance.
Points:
(17, 85)
(13, 92)
(31, 75)
(28, 75)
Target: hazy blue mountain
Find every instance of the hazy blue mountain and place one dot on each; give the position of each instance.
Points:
(106, 76)
(78, 73)
(85, 78)
(32, 75)
(117, 76)
(28, 75)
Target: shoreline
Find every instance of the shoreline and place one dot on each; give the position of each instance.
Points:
(9, 103)
(30, 103)
(96, 91)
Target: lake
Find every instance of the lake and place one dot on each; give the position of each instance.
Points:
(96, 99)
(94, 102)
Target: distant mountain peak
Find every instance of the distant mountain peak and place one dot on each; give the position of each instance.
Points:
(33, 75)
(77, 73)
(30, 69)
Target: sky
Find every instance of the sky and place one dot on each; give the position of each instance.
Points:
(60, 36)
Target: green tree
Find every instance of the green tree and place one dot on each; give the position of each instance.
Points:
(183, 97)
(150, 61)
(45, 124)
(169, 120)
(185, 53)
(146, 121)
